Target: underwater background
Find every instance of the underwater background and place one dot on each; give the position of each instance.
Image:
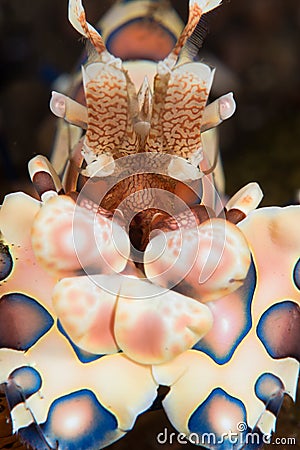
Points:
(254, 46)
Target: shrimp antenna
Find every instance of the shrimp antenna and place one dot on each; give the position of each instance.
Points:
(77, 18)
(196, 9)
(195, 41)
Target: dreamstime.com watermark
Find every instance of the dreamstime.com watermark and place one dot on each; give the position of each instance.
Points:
(242, 437)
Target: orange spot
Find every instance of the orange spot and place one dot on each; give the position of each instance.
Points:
(123, 317)
(140, 40)
(37, 246)
(171, 243)
(248, 199)
(50, 265)
(175, 252)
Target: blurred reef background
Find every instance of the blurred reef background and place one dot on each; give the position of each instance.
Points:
(254, 46)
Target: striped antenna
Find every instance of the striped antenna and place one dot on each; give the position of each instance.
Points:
(78, 20)
(196, 9)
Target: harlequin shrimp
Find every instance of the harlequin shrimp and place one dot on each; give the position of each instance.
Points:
(129, 273)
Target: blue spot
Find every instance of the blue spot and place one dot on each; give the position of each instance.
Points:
(99, 430)
(244, 295)
(82, 355)
(279, 330)
(270, 390)
(6, 261)
(23, 321)
(296, 274)
(216, 406)
(21, 384)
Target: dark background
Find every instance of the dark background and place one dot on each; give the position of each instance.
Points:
(257, 42)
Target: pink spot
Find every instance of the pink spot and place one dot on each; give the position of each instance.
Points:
(72, 418)
(101, 332)
(166, 310)
(90, 300)
(175, 253)
(182, 323)
(50, 220)
(175, 349)
(229, 322)
(74, 295)
(170, 243)
(105, 236)
(78, 311)
(147, 336)
(224, 415)
(123, 317)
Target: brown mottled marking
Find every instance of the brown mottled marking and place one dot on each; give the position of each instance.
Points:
(107, 111)
(184, 104)
(133, 184)
(179, 102)
(110, 128)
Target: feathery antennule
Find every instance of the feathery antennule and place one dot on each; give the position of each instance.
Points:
(195, 41)
(196, 9)
(78, 20)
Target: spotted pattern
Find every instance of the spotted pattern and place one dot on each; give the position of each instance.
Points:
(270, 390)
(76, 421)
(21, 384)
(279, 330)
(23, 321)
(232, 321)
(6, 261)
